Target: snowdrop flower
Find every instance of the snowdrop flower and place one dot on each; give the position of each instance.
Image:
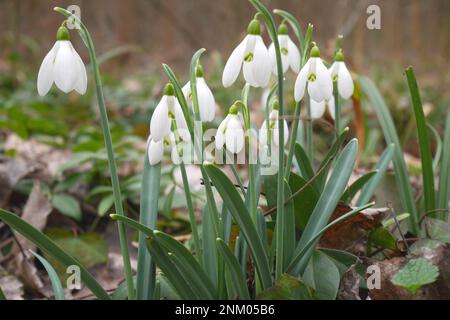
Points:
(252, 55)
(290, 55)
(316, 77)
(231, 132)
(167, 110)
(273, 128)
(155, 149)
(318, 108)
(63, 66)
(206, 102)
(340, 73)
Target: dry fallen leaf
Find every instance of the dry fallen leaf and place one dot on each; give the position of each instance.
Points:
(35, 212)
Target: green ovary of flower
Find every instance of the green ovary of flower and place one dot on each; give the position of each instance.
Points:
(312, 77)
(284, 51)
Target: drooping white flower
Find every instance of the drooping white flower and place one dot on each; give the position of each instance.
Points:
(63, 66)
(290, 55)
(316, 77)
(155, 149)
(251, 55)
(340, 73)
(167, 110)
(318, 108)
(273, 129)
(231, 132)
(206, 101)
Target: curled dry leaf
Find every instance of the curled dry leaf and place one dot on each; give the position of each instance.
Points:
(11, 286)
(35, 212)
(351, 234)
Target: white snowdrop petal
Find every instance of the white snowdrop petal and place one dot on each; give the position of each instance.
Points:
(207, 103)
(300, 82)
(160, 122)
(81, 85)
(324, 80)
(286, 132)
(260, 65)
(182, 126)
(220, 138)
(293, 55)
(187, 91)
(317, 109)
(248, 74)
(331, 107)
(283, 40)
(263, 134)
(45, 75)
(234, 63)
(65, 70)
(155, 151)
(234, 135)
(345, 82)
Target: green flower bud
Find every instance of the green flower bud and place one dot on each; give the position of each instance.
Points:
(275, 104)
(62, 34)
(339, 56)
(283, 29)
(254, 27)
(168, 90)
(315, 52)
(199, 71)
(233, 109)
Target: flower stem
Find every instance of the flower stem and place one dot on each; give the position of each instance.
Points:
(109, 149)
(337, 108)
(293, 139)
(280, 183)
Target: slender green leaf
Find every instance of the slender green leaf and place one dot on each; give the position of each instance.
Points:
(369, 188)
(240, 213)
(148, 213)
(2, 295)
(189, 264)
(209, 251)
(298, 255)
(173, 274)
(351, 191)
(305, 201)
(391, 137)
(58, 290)
(328, 200)
(307, 172)
(237, 276)
(424, 142)
(45, 244)
(439, 147)
(444, 177)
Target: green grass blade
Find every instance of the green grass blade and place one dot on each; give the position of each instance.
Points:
(424, 142)
(237, 276)
(327, 201)
(173, 274)
(58, 290)
(381, 167)
(298, 256)
(46, 245)
(240, 213)
(351, 191)
(307, 172)
(444, 176)
(2, 295)
(189, 264)
(391, 137)
(147, 216)
(439, 147)
(327, 161)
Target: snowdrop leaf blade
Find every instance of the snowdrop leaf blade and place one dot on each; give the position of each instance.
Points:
(45, 244)
(239, 211)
